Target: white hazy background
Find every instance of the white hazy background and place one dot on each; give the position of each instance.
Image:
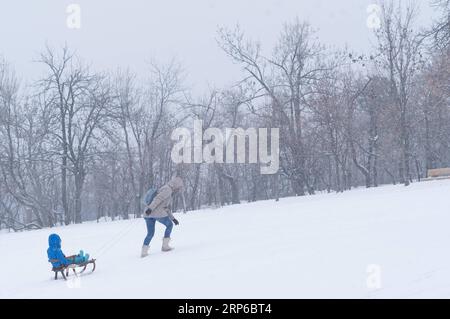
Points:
(128, 33)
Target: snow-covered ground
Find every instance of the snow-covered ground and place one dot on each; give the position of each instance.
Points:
(323, 246)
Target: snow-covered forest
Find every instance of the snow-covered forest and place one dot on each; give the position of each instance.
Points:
(79, 144)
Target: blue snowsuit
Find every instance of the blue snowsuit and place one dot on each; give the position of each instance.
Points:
(54, 252)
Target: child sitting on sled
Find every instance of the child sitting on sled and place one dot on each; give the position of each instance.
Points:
(56, 256)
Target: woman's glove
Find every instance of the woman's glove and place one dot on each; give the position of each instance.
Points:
(175, 221)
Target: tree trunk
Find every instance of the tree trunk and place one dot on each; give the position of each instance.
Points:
(195, 188)
(65, 205)
(79, 182)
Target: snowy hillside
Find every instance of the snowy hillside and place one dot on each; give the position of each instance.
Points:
(317, 246)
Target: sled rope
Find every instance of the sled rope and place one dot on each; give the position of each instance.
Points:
(110, 243)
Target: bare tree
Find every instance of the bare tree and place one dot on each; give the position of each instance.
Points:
(288, 79)
(26, 168)
(400, 48)
(145, 115)
(81, 99)
(441, 29)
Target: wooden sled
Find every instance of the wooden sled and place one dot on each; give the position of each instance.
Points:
(64, 270)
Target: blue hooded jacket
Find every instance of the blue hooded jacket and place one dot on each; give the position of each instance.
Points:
(54, 251)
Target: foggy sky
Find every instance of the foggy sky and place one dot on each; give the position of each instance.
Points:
(128, 33)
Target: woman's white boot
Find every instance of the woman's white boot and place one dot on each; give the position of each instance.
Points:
(144, 252)
(165, 245)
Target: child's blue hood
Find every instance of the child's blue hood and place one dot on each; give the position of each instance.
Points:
(54, 241)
